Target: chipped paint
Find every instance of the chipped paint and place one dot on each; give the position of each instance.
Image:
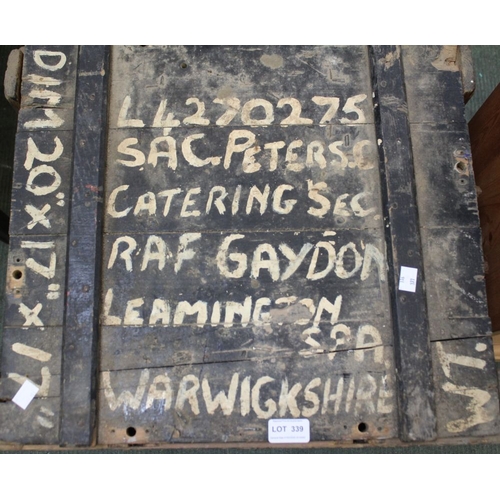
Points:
(273, 61)
(447, 59)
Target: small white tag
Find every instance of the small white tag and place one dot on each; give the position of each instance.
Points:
(288, 430)
(25, 394)
(408, 279)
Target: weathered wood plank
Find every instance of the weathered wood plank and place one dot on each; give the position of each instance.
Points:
(213, 267)
(349, 398)
(212, 77)
(170, 193)
(85, 235)
(34, 354)
(434, 89)
(411, 329)
(35, 281)
(271, 252)
(40, 187)
(447, 202)
(134, 348)
(464, 372)
(48, 88)
(445, 179)
(38, 424)
(456, 292)
(466, 388)
(32, 338)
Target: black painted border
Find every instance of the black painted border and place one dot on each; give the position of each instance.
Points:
(416, 404)
(78, 405)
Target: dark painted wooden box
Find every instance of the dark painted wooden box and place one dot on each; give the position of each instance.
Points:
(207, 238)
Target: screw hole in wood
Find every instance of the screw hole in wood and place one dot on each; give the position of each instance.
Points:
(362, 427)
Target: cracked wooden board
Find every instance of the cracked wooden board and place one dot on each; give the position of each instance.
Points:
(246, 235)
(348, 397)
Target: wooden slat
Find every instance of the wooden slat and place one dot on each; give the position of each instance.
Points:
(36, 272)
(459, 326)
(411, 330)
(83, 261)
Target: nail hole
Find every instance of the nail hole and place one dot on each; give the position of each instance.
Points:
(362, 427)
(462, 181)
(340, 220)
(402, 299)
(17, 275)
(184, 65)
(461, 167)
(18, 260)
(131, 431)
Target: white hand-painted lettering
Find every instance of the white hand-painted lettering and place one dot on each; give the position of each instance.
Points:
(31, 352)
(191, 158)
(351, 108)
(197, 117)
(45, 59)
(53, 121)
(31, 315)
(478, 397)
(369, 393)
(256, 112)
(250, 106)
(333, 102)
(42, 190)
(125, 149)
(38, 216)
(226, 403)
(162, 121)
(294, 117)
(123, 121)
(46, 271)
(232, 107)
(167, 151)
(52, 98)
(34, 153)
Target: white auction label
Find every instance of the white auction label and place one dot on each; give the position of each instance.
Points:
(288, 430)
(25, 394)
(408, 279)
